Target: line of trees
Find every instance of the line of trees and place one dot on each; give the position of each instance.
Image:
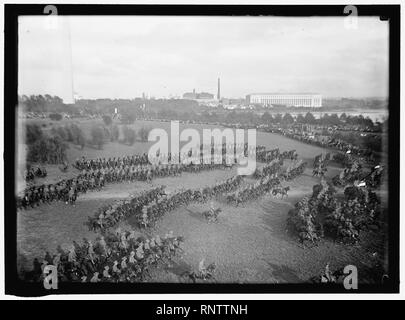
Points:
(70, 133)
(43, 147)
(179, 109)
(45, 103)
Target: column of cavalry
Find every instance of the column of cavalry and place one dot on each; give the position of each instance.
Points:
(122, 256)
(94, 173)
(149, 206)
(270, 178)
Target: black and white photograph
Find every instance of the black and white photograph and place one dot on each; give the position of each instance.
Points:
(204, 149)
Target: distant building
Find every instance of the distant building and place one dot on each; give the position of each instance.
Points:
(198, 96)
(291, 100)
(189, 95)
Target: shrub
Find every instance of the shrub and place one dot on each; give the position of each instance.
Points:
(97, 136)
(55, 116)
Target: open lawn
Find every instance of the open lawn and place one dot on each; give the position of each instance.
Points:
(249, 243)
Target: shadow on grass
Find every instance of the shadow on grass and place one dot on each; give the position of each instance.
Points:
(284, 273)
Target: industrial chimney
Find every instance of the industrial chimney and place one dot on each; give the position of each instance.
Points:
(219, 89)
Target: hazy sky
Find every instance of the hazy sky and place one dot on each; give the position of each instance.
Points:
(121, 57)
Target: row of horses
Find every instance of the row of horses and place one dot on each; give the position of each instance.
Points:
(151, 205)
(143, 159)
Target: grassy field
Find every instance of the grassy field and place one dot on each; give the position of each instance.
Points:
(248, 244)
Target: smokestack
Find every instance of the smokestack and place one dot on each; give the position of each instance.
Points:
(219, 89)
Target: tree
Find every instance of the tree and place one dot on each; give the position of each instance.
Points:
(80, 140)
(107, 120)
(343, 117)
(309, 118)
(267, 118)
(114, 133)
(300, 118)
(97, 135)
(334, 119)
(129, 135)
(288, 119)
(33, 133)
(143, 133)
(60, 132)
(77, 135)
(278, 118)
(50, 150)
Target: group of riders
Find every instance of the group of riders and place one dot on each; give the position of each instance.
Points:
(150, 205)
(109, 215)
(119, 256)
(65, 190)
(267, 156)
(321, 162)
(334, 143)
(354, 174)
(145, 158)
(267, 183)
(156, 209)
(96, 172)
(32, 172)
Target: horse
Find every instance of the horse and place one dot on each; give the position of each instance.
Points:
(72, 195)
(281, 190)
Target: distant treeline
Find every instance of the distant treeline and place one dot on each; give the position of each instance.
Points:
(128, 108)
(166, 108)
(351, 103)
(45, 103)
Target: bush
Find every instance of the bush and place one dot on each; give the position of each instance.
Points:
(97, 136)
(129, 135)
(143, 133)
(55, 116)
(107, 120)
